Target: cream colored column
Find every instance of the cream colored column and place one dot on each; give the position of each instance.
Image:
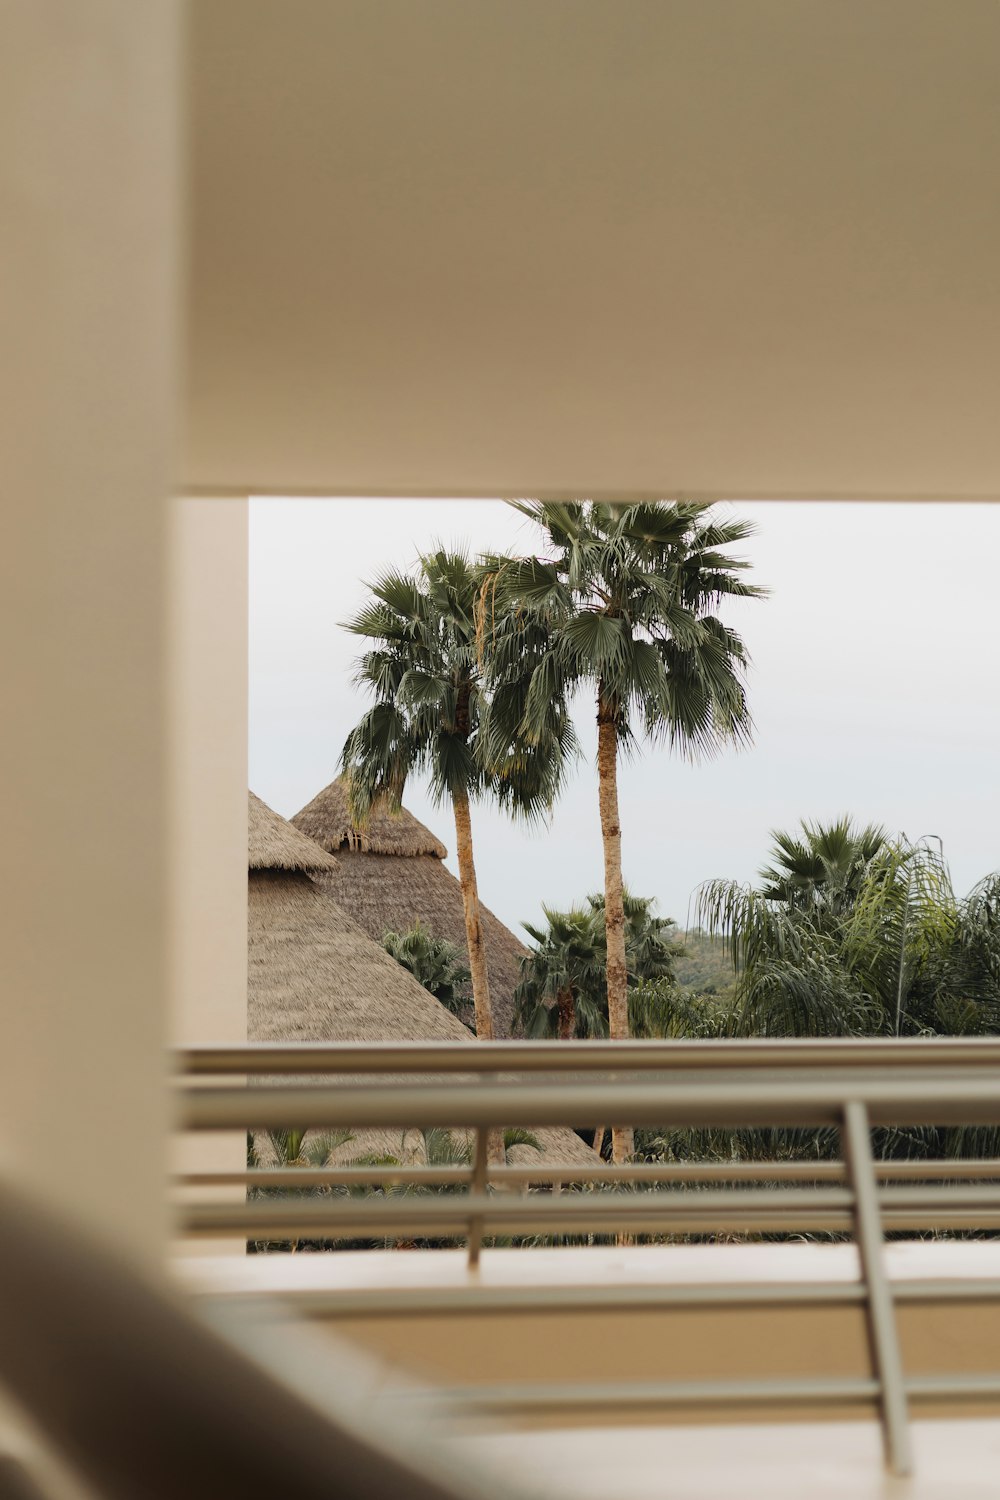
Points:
(208, 803)
(89, 104)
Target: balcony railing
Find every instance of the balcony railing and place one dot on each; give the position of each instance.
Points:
(853, 1086)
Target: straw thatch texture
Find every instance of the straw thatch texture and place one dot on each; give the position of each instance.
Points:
(315, 976)
(387, 880)
(327, 819)
(273, 844)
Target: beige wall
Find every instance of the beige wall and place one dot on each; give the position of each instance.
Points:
(88, 324)
(208, 802)
(714, 247)
(208, 770)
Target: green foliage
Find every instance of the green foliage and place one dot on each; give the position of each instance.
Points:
(625, 599)
(568, 963)
(426, 669)
(856, 934)
(294, 1146)
(660, 1008)
(516, 1135)
(434, 962)
(705, 967)
(824, 867)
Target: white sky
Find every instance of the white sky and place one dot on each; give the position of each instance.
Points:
(873, 689)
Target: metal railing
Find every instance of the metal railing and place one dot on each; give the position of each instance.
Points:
(851, 1086)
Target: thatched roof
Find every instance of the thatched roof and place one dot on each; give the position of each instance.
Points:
(383, 892)
(327, 819)
(273, 844)
(315, 976)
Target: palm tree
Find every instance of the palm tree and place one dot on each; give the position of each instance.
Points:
(824, 866)
(561, 976)
(434, 962)
(627, 594)
(425, 670)
(563, 986)
(881, 946)
(651, 942)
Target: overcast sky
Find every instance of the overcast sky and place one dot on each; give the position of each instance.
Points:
(874, 690)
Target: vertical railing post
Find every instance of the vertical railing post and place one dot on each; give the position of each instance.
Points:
(480, 1166)
(886, 1359)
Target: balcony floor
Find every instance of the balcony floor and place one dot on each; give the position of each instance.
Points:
(957, 1460)
(632, 1460)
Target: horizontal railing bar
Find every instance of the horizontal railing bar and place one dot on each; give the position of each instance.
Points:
(607, 1394)
(958, 1170)
(602, 1205)
(314, 1177)
(931, 1199)
(663, 1213)
(947, 1289)
(816, 1210)
(706, 1393)
(350, 1302)
(949, 1196)
(391, 1302)
(936, 1387)
(542, 1175)
(478, 1057)
(765, 1101)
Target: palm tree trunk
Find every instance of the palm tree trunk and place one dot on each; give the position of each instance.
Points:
(622, 1142)
(477, 951)
(566, 1012)
(473, 926)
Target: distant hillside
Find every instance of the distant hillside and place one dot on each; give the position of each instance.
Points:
(707, 969)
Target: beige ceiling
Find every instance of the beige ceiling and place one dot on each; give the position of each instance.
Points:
(710, 247)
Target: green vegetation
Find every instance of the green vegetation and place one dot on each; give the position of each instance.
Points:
(705, 966)
(563, 989)
(857, 934)
(435, 963)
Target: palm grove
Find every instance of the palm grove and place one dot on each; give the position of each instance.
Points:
(472, 666)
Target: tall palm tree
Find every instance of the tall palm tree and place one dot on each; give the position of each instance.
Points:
(425, 669)
(627, 594)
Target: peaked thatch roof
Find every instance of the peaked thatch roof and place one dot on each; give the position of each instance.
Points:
(383, 892)
(273, 844)
(327, 819)
(315, 976)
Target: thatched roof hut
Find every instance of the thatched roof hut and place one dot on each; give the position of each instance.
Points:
(315, 976)
(273, 844)
(391, 873)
